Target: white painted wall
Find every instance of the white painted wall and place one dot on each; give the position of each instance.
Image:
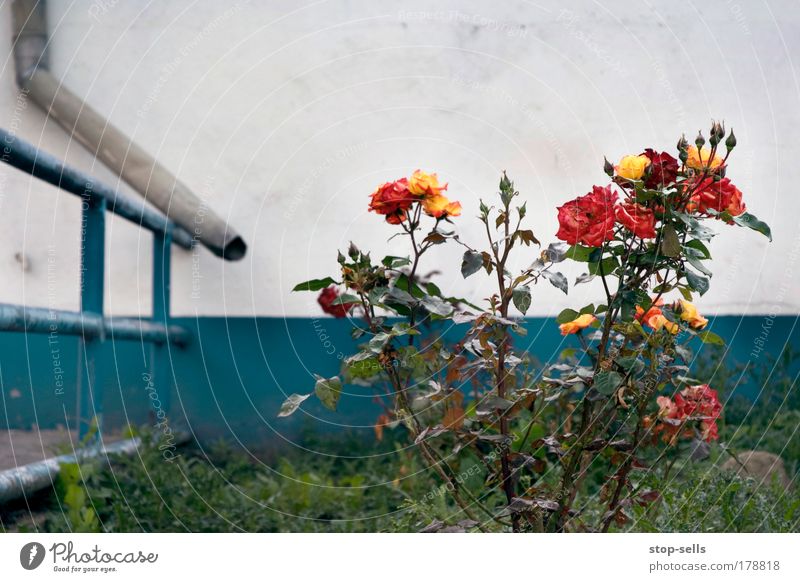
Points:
(284, 115)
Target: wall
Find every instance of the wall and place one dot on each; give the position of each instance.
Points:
(285, 115)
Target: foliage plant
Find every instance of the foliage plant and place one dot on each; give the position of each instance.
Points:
(622, 403)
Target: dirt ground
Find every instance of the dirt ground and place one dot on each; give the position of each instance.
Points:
(20, 447)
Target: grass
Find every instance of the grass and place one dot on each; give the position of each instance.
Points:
(386, 489)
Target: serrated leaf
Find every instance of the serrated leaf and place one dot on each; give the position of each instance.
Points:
(585, 278)
(291, 404)
(345, 299)
(471, 263)
(708, 337)
(696, 282)
(699, 247)
(521, 296)
(314, 284)
(607, 382)
(578, 253)
(567, 315)
(750, 221)
(558, 280)
(328, 390)
(697, 264)
(395, 262)
(670, 245)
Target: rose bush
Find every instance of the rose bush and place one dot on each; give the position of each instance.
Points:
(623, 401)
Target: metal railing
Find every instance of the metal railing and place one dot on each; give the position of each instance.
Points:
(90, 324)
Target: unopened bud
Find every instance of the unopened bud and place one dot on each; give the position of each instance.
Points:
(683, 155)
(682, 143)
(608, 167)
(730, 143)
(699, 141)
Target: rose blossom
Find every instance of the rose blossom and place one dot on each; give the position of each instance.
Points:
(392, 199)
(636, 218)
(718, 196)
(588, 219)
(663, 169)
(326, 298)
(577, 324)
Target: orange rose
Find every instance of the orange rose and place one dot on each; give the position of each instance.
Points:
(699, 159)
(423, 184)
(655, 319)
(577, 324)
(391, 200)
(440, 206)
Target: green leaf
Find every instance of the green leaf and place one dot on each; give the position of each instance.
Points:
(607, 382)
(750, 221)
(588, 309)
(437, 306)
(708, 337)
(631, 362)
(558, 280)
(471, 263)
(579, 253)
(608, 265)
(697, 264)
(567, 315)
(521, 296)
(345, 299)
(696, 282)
(670, 245)
(377, 342)
(328, 390)
(291, 404)
(314, 284)
(699, 246)
(395, 262)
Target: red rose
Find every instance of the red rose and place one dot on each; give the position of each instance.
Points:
(701, 401)
(588, 219)
(327, 297)
(663, 169)
(392, 199)
(719, 196)
(636, 218)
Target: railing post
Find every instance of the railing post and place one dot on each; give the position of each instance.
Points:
(93, 239)
(160, 374)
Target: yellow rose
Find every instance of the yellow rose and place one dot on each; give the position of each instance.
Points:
(577, 324)
(699, 159)
(690, 315)
(423, 184)
(632, 167)
(659, 321)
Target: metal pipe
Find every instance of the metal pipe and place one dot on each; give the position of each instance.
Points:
(90, 325)
(110, 145)
(24, 156)
(28, 479)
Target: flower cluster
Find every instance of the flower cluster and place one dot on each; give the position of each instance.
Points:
(396, 200)
(693, 403)
(653, 183)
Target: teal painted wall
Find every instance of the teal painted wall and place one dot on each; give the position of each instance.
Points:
(233, 377)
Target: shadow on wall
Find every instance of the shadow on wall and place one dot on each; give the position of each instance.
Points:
(235, 374)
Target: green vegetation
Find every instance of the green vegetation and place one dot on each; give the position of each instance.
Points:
(386, 488)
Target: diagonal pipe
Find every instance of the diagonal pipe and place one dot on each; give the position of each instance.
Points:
(107, 143)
